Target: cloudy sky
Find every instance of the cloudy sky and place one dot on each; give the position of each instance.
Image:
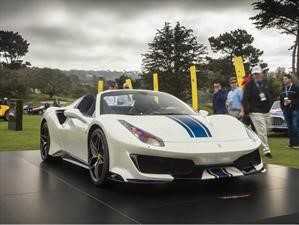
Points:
(96, 35)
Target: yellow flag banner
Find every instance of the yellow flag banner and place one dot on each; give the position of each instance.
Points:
(240, 70)
(100, 86)
(155, 81)
(129, 82)
(194, 88)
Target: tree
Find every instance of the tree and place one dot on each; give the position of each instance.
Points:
(122, 79)
(283, 15)
(219, 69)
(12, 48)
(14, 83)
(77, 89)
(237, 43)
(51, 82)
(170, 54)
(274, 85)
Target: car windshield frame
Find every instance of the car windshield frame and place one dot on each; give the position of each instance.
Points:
(145, 103)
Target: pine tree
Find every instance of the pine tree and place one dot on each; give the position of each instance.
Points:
(237, 43)
(12, 48)
(171, 54)
(283, 15)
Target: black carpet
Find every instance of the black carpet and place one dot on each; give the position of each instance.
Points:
(58, 192)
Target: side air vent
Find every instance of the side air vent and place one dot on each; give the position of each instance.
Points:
(60, 115)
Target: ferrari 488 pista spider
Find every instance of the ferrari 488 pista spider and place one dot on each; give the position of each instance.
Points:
(148, 136)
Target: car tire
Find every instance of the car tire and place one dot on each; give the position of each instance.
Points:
(45, 142)
(98, 157)
(6, 115)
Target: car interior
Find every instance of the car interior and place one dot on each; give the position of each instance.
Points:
(140, 105)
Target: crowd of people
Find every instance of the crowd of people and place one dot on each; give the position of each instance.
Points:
(252, 104)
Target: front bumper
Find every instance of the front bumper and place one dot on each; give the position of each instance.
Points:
(178, 161)
(182, 169)
(278, 123)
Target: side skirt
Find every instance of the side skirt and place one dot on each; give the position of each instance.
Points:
(75, 160)
(71, 158)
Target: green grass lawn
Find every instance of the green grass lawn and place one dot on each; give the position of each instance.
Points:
(28, 139)
(282, 155)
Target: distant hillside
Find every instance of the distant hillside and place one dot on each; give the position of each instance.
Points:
(88, 76)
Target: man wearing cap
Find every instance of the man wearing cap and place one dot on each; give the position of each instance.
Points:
(234, 99)
(289, 102)
(257, 102)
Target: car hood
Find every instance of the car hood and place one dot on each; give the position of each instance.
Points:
(186, 128)
(276, 112)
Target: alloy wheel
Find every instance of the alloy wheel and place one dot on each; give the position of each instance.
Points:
(98, 157)
(44, 142)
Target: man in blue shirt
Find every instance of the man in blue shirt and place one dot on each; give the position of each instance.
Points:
(219, 99)
(234, 99)
(289, 102)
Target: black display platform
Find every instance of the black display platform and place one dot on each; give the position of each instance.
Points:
(58, 192)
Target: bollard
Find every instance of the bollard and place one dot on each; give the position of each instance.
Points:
(15, 121)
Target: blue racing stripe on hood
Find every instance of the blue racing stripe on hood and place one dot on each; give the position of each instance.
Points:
(183, 125)
(197, 129)
(193, 126)
(201, 124)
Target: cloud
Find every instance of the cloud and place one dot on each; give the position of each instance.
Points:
(113, 34)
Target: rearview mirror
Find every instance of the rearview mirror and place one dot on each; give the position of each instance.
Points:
(75, 114)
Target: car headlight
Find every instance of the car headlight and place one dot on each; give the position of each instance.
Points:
(251, 134)
(142, 135)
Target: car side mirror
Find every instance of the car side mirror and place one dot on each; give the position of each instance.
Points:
(75, 114)
(203, 113)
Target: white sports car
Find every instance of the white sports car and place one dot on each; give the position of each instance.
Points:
(147, 136)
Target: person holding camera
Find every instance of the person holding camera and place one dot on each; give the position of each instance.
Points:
(289, 102)
(219, 99)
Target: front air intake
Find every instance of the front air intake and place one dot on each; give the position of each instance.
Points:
(162, 165)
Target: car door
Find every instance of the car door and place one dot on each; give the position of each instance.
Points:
(75, 131)
(75, 137)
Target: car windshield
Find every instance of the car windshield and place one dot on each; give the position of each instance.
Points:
(143, 103)
(276, 105)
